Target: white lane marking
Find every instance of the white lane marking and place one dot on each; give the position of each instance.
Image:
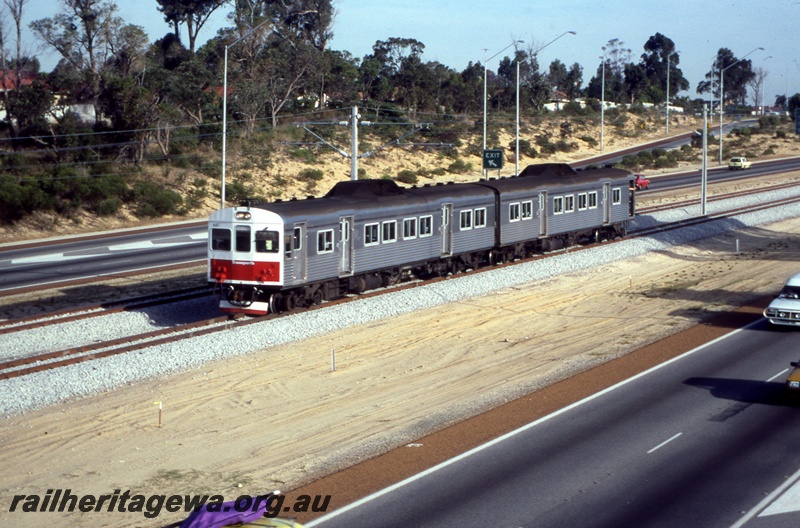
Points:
(490, 443)
(791, 481)
(104, 250)
(786, 503)
(781, 373)
(66, 281)
(51, 257)
(665, 442)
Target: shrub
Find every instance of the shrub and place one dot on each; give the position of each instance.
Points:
(664, 162)
(459, 167)
(310, 175)
(769, 121)
(235, 192)
(525, 148)
(108, 207)
(303, 154)
(573, 108)
(629, 161)
(566, 146)
(407, 176)
(164, 202)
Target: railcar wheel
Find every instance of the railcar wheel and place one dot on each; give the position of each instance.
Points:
(316, 297)
(290, 302)
(276, 303)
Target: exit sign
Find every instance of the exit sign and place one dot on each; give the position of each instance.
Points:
(493, 159)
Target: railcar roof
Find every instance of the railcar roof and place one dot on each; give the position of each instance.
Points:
(554, 177)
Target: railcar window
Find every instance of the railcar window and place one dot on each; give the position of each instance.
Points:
(527, 210)
(425, 226)
(465, 220)
(480, 217)
(593, 200)
(371, 235)
(513, 212)
(616, 196)
(569, 204)
(267, 241)
(558, 205)
(325, 241)
(297, 239)
(221, 239)
(390, 231)
(582, 201)
(243, 239)
(409, 228)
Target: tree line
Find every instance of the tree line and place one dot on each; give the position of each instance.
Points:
(168, 92)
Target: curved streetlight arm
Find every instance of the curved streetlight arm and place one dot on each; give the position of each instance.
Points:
(555, 39)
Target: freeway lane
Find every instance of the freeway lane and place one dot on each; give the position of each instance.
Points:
(697, 442)
(94, 257)
(720, 174)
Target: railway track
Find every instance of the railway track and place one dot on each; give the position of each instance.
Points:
(101, 309)
(56, 359)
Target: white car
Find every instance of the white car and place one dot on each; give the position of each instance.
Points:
(739, 163)
(785, 309)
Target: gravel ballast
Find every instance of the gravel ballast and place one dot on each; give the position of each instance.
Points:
(20, 395)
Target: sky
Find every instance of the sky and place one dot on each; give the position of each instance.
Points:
(457, 32)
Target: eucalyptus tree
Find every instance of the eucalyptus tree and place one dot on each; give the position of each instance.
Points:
(610, 76)
(84, 33)
(380, 70)
(194, 14)
(660, 54)
(737, 73)
(12, 63)
(278, 49)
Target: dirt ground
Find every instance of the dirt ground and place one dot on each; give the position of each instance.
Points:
(281, 418)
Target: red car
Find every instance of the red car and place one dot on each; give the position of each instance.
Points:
(641, 182)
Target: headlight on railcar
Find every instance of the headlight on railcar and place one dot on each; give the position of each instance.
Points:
(243, 215)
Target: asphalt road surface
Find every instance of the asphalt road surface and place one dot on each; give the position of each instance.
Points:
(707, 440)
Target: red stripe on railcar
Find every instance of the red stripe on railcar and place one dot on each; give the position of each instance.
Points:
(245, 270)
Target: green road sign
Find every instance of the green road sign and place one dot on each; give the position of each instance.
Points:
(493, 159)
(796, 124)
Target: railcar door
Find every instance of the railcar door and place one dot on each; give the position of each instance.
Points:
(297, 252)
(447, 229)
(606, 203)
(346, 245)
(543, 213)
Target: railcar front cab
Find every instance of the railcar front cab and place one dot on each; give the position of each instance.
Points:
(245, 259)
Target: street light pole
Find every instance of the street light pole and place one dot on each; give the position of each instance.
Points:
(225, 107)
(764, 88)
(485, 90)
(603, 99)
(516, 135)
(722, 96)
(668, 68)
(516, 141)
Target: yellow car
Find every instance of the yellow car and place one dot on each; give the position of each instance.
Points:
(793, 381)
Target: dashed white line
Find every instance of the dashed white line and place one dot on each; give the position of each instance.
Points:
(781, 373)
(665, 442)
